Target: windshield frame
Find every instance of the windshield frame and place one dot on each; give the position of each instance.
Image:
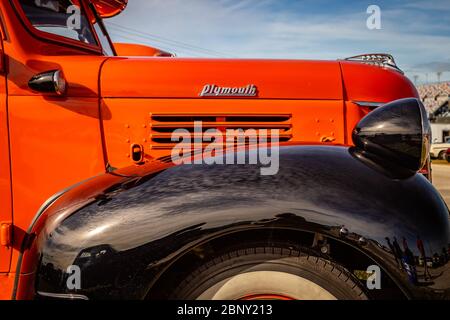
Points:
(101, 24)
(58, 39)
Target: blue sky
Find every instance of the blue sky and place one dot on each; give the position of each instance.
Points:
(416, 32)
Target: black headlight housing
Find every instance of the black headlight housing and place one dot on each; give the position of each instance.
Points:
(395, 138)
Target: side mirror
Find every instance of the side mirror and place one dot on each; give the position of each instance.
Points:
(51, 82)
(109, 8)
(395, 138)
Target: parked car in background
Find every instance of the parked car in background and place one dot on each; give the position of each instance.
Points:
(438, 150)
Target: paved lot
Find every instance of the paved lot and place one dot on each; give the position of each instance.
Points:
(441, 180)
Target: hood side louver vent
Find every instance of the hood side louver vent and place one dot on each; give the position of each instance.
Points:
(163, 125)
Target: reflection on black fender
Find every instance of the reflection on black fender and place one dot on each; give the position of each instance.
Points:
(121, 239)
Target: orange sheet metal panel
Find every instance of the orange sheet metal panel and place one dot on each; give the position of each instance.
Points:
(129, 121)
(371, 83)
(56, 144)
(185, 78)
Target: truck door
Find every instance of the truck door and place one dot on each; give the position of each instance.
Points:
(5, 179)
(55, 140)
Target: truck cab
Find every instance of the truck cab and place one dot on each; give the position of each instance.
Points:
(74, 106)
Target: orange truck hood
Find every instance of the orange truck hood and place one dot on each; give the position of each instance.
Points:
(160, 77)
(185, 78)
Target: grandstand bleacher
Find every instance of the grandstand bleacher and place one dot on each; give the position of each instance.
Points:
(435, 96)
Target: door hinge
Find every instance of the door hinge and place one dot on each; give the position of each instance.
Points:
(6, 234)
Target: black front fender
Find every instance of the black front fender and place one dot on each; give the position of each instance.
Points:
(128, 233)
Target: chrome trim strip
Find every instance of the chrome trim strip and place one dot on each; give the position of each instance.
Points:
(369, 104)
(69, 296)
(378, 59)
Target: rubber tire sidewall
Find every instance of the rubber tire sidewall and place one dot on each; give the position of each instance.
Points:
(330, 276)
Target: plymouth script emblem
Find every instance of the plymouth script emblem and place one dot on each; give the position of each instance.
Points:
(211, 90)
